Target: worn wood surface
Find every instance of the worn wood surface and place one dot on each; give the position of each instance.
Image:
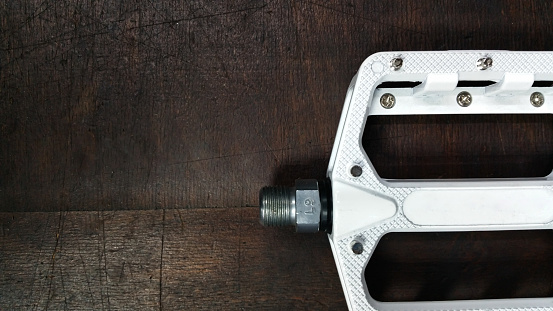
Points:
(117, 116)
(146, 104)
(209, 259)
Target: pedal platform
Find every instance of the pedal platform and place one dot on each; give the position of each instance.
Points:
(372, 217)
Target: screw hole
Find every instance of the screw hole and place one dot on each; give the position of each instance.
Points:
(356, 171)
(357, 248)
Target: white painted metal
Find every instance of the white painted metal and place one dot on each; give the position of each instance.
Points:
(367, 207)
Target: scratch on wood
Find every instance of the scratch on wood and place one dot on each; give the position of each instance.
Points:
(161, 263)
(37, 266)
(100, 256)
(105, 267)
(181, 220)
(240, 249)
(51, 275)
(501, 138)
(63, 288)
(176, 21)
(85, 272)
(363, 18)
(122, 273)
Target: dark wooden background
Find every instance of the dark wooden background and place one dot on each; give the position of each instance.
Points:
(134, 138)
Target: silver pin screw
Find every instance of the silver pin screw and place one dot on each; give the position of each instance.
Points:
(387, 100)
(464, 99)
(396, 63)
(537, 99)
(484, 63)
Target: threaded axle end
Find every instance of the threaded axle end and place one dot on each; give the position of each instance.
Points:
(276, 206)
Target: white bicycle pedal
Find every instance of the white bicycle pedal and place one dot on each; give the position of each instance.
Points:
(357, 208)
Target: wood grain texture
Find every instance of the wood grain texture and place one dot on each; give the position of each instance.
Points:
(120, 123)
(145, 104)
(178, 259)
(80, 260)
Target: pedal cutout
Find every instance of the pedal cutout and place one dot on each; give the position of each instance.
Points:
(460, 146)
(442, 266)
